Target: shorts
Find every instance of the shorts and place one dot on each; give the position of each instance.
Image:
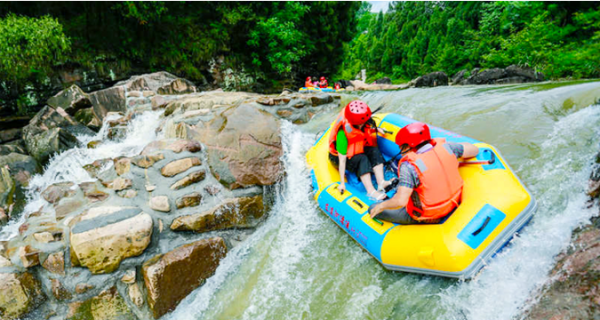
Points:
(363, 163)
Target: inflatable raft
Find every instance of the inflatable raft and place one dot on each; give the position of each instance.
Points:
(495, 205)
(312, 89)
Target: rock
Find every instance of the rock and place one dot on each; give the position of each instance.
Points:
(7, 189)
(189, 179)
(178, 166)
(21, 167)
(128, 194)
(91, 192)
(433, 79)
(171, 277)
(107, 305)
(3, 217)
(212, 189)
(82, 288)
(71, 100)
(101, 240)
(158, 102)
(150, 188)
(284, 113)
(134, 94)
(135, 294)
(207, 102)
(459, 77)
(177, 86)
(384, 80)
(85, 115)
(20, 293)
(119, 184)
(56, 140)
(128, 277)
(320, 99)
(111, 99)
(58, 191)
(147, 161)
(43, 237)
(59, 292)
(148, 93)
(174, 145)
(94, 144)
(117, 133)
(158, 82)
(160, 203)
(160, 226)
(8, 149)
(5, 262)
(94, 168)
(55, 263)
(122, 165)
(241, 155)
(189, 200)
(238, 212)
(29, 256)
(10, 135)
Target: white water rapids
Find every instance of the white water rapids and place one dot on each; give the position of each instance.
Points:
(300, 265)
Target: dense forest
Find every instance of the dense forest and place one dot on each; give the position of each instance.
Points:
(276, 44)
(560, 39)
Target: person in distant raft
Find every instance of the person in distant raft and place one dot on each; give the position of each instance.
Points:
(323, 83)
(429, 186)
(352, 145)
(308, 83)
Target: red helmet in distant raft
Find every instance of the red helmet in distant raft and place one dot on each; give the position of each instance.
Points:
(308, 79)
(413, 134)
(322, 78)
(357, 112)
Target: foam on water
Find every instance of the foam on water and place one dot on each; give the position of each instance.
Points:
(68, 165)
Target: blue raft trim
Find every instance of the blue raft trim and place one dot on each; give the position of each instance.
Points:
(481, 226)
(484, 154)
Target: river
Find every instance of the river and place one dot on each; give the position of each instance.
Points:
(300, 265)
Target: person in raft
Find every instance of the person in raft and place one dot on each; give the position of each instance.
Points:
(308, 83)
(429, 186)
(352, 146)
(323, 83)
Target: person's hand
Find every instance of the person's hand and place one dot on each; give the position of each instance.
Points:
(375, 210)
(342, 188)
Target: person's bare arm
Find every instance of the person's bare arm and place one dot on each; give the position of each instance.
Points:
(399, 200)
(342, 168)
(470, 150)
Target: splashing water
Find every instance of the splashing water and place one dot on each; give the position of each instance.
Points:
(299, 264)
(68, 165)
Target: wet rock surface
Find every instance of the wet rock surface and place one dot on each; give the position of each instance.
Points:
(174, 209)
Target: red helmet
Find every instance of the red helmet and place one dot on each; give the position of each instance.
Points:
(357, 112)
(308, 79)
(322, 78)
(413, 134)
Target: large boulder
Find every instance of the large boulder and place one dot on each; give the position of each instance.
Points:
(106, 235)
(50, 131)
(160, 82)
(108, 100)
(7, 189)
(244, 147)
(171, 277)
(384, 80)
(21, 167)
(206, 102)
(20, 293)
(459, 77)
(71, 100)
(174, 145)
(242, 212)
(433, 79)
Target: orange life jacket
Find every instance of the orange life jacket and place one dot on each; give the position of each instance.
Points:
(308, 84)
(357, 139)
(441, 185)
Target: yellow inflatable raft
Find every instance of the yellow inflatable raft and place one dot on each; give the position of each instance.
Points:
(495, 205)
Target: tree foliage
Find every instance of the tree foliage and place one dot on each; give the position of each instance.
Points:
(412, 38)
(29, 46)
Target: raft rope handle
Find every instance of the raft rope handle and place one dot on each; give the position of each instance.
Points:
(485, 223)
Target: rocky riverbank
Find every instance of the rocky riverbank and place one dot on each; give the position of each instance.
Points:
(573, 291)
(139, 232)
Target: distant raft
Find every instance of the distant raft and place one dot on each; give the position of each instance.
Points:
(495, 205)
(328, 89)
